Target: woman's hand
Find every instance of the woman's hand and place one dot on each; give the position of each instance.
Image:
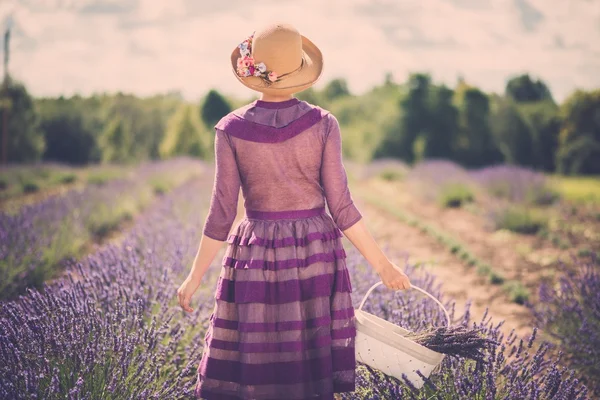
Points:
(185, 293)
(394, 278)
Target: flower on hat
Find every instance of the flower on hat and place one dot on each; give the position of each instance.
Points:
(246, 65)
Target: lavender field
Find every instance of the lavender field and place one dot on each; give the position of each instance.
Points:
(110, 326)
(37, 238)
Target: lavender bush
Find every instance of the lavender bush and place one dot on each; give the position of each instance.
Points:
(443, 181)
(37, 239)
(513, 370)
(570, 313)
(516, 184)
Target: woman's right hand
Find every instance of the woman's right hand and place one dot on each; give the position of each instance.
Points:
(394, 278)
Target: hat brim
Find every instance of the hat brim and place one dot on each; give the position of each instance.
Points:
(301, 80)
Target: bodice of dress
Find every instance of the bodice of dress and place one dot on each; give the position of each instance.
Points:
(284, 156)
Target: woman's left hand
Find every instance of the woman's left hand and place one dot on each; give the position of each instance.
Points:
(185, 293)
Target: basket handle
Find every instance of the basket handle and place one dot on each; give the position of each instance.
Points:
(362, 303)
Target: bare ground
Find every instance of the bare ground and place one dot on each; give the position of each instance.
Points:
(458, 281)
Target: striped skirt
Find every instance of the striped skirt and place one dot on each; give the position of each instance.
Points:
(283, 321)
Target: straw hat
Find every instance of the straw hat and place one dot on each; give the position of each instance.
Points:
(277, 60)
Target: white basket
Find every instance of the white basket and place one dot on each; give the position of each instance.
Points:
(382, 345)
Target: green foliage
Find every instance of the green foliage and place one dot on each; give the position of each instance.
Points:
(67, 178)
(311, 96)
(441, 133)
(414, 114)
(496, 278)
(69, 136)
(335, 89)
(521, 219)
(512, 134)
(186, 135)
(392, 174)
(25, 141)
(579, 148)
(413, 120)
(475, 145)
(543, 123)
(30, 187)
(455, 195)
(524, 89)
(214, 107)
(584, 190)
(116, 142)
(107, 218)
(516, 292)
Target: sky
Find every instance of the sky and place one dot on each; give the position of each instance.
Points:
(64, 47)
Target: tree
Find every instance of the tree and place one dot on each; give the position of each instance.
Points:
(475, 146)
(513, 136)
(186, 135)
(414, 114)
(579, 140)
(335, 89)
(214, 107)
(543, 122)
(440, 135)
(115, 142)
(310, 96)
(523, 89)
(25, 141)
(69, 138)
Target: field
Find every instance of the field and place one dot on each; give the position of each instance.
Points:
(91, 260)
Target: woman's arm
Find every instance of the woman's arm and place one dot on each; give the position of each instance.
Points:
(221, 214)
(207, 250)
(345, 214)
(392, 276)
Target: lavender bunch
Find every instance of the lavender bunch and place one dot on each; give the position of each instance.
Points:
(455, 340)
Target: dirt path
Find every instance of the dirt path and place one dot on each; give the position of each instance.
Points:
(458, 281)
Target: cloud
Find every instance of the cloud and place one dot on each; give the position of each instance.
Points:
(148, 46)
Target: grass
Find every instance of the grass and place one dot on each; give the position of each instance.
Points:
(29, 187)
(521, 219)
(392, 175)
(516, 292)
(455, 195)
(578, 189)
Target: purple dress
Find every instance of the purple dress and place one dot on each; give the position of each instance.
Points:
(283, 322)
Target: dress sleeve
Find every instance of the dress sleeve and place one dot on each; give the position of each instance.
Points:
(335, 181)
(226, 189)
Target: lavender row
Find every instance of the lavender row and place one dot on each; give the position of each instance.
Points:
(509, 182)
(35, 240)
(115, 331)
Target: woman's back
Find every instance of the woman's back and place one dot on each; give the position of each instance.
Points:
(284, 156)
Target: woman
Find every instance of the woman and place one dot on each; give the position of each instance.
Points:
(283, 322)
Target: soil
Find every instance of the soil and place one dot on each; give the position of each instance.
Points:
(458, 281)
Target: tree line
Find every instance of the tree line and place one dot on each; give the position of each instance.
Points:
(411, 121)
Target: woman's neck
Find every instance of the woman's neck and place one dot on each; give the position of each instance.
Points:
(273, 98)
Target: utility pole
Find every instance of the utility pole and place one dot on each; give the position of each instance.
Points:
(6, 100)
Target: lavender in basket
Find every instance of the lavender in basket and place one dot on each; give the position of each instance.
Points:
(458, 341)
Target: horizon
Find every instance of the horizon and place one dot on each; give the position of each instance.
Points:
(146, 47)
